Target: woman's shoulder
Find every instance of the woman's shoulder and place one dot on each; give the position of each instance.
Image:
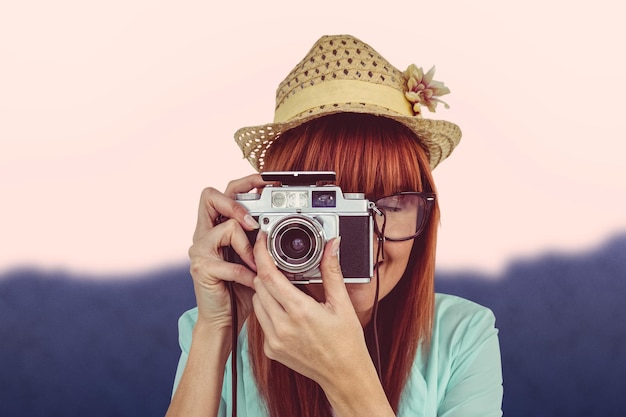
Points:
(461, 321)
(453, 305)
(188, 318)
(461, 363)
(186, 323)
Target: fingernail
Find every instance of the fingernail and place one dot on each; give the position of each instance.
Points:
(334, 249)
(249, 220)
(258, 235)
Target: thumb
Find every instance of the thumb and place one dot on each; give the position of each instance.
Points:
(332, 278)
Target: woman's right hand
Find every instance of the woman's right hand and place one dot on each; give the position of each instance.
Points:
(208, 268)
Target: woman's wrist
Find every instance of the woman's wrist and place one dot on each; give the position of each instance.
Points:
(215, 339)
(358, 394)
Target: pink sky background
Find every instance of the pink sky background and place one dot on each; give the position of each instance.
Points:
(115, 115)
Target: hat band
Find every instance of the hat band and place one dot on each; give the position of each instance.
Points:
(333, 92)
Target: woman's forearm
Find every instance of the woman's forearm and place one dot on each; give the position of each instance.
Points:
(199, 390)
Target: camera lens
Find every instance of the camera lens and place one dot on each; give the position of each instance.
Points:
(296, 243)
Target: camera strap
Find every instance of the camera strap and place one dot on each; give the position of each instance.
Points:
(233, 352)
(380, 257)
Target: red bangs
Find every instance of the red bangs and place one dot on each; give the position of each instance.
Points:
(370, 154)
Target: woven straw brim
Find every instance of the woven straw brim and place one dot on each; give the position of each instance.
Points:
(437, 137)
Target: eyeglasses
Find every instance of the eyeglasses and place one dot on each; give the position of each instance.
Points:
(403, 216)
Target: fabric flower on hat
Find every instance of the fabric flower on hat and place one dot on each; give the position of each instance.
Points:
(423, 90)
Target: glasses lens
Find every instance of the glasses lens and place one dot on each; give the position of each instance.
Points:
(404, 215)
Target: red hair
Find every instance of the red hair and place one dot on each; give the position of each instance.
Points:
(376, 156)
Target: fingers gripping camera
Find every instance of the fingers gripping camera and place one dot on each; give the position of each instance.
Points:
(303, 213)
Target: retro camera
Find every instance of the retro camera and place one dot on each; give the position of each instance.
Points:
(301, 214)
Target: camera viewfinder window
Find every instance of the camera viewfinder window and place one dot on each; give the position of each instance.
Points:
(324, 199)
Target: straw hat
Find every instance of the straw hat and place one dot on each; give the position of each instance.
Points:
(342, 74)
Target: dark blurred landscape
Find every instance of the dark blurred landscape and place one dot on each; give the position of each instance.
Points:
(75, 346)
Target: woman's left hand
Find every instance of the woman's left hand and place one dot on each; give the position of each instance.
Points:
(323, 341)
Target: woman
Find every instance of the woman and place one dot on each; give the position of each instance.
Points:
(389, 347)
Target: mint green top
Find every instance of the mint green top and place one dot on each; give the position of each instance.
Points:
(460, 377)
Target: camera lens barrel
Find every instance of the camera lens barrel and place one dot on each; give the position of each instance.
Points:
(296, 243)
